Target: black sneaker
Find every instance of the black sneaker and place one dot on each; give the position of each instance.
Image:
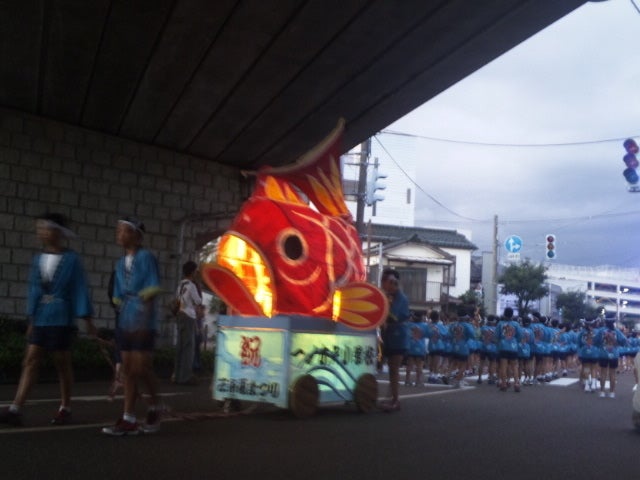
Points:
(152, 425)
(121, 428)
(62, 417)
(11, 418)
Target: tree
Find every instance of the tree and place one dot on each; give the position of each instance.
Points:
(526, 281)
(471, 301)
(574, 306)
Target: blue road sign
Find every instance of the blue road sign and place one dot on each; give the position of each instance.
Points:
(513, 244)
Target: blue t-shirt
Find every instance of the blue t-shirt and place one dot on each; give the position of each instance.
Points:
(609, 341)
(460, 334)
(587, 348)
(525, 346)
(437, 334)
(418, 334)
(395, 335)
(508, 335)
(488, 339)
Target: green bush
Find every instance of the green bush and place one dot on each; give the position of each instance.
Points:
(91, 358)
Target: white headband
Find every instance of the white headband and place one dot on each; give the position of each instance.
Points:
(51, 224)
(132, 225)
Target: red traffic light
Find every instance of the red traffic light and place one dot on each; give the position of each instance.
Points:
(551, 247)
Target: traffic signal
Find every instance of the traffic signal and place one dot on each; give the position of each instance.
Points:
(373, 185)
(551, 246)
(630, 160)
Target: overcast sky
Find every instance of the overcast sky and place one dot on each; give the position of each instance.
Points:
(578, 81)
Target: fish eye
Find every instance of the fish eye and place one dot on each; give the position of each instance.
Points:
(293, 247)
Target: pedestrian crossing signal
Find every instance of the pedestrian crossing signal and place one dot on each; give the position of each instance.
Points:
(551, 246)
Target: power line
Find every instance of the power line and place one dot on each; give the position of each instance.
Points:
(493, 144)
(438, 202)
(635, 6)
(606, 214)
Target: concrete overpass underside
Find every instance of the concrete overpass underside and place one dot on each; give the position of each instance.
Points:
(247, 83)
(151, 107)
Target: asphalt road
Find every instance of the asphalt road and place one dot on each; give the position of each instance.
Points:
(545, 432)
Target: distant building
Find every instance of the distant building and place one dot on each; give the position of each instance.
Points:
(434, 264)
(397, 158)
(616, 290)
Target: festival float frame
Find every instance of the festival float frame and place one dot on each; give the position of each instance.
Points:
(295, 362)
(301, 330)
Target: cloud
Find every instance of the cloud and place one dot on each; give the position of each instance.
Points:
(577, 81)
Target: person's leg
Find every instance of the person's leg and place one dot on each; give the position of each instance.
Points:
(502, 373)
(30, 363)
(394, 376)
(184, 372)
(529, 366)
(127, 424)
(604, 373)
(62, 361)
(147, 374)
(29, 374)
(130, 382)
(461, 365)
(410, 366)
(612, 379)
(419, 366)
(513, 364)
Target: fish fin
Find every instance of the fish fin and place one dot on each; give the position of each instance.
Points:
(230, 289)
(277, 189)
(362, 306)
(317, 174)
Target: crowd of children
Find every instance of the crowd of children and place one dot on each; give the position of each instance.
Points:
(512, 351)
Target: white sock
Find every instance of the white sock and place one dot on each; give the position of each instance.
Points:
(128, 417)
(64, 408)
(13, 408)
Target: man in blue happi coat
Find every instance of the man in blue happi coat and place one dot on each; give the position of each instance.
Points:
(58, 294)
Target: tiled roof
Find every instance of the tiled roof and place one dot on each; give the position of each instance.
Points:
(432, 236)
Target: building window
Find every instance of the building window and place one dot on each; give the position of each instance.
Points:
(451, 281)
(414, 283)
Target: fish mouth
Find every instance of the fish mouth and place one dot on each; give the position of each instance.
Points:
(242, 257)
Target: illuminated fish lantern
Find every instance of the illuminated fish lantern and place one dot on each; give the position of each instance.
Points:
(281, 256)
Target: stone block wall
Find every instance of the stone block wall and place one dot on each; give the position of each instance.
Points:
(94, 179)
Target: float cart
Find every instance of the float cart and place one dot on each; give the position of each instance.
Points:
(295, 362)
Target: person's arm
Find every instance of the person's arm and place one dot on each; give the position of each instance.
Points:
(92, 331)
(194, 294)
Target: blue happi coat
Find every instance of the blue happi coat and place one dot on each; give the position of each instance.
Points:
(57, 303)
(136, 290)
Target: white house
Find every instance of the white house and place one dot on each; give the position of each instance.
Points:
(434, 264)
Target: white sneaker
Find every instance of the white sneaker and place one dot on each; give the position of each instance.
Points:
(602, 395)
(612, 395)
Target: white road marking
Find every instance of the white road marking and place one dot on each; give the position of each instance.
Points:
(89, 398)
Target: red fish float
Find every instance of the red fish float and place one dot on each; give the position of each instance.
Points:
(281, 256)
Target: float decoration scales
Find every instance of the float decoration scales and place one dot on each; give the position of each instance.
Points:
(282, 257)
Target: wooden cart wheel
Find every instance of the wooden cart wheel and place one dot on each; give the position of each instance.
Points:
(365, 394)
(303, 396)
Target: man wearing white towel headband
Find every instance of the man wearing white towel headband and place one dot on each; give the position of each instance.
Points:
(58, 294)
(135, 289)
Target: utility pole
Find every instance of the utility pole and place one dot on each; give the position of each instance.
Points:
(365, 149)
(495, 264)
